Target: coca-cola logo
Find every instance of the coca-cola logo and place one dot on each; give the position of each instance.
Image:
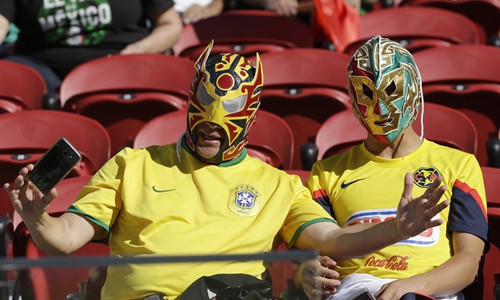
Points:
(395, 263)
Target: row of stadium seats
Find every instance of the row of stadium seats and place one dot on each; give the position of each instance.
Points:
(304, 86)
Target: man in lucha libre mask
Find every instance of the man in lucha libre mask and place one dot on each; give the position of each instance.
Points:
(223, 104)
(360, 185)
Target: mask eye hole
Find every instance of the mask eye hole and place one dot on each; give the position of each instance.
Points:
(235, 105)
(367, 91)
(203, 96)
(390, 89)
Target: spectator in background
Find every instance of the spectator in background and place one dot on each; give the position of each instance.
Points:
(194, 10)
(57, 36)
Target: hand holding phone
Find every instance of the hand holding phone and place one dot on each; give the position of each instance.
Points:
(54, 165)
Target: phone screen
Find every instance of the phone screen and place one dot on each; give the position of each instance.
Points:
(54, 165)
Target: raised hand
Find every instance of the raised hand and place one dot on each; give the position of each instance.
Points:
(27, 200)
(415, 215)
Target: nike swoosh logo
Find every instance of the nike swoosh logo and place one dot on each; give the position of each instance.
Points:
(344, 184)
(161, 191)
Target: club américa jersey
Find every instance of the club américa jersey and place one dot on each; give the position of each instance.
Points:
(162, 200)
(358, 187)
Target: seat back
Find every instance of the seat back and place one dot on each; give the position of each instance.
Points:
(27, 135)
(491, 268)
(483, 288)
(491, 178)
(338, 134)
(472, 86)
(21, 88)
(244, 32)
(342, 131)
(425, 27)
(485, 13)
(122, 92)
(304, 87)
(53, 283)
(270, 139)
(449, 127)
(50, 283)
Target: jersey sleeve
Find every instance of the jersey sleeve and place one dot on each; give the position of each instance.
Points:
(100, 201)
(303, 212)
(468, 209)
(316, 183)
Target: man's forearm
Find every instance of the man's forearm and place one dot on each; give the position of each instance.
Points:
(361, 239)
(62, 235)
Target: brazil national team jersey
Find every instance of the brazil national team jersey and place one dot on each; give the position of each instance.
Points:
(359, 187)
(154, 202)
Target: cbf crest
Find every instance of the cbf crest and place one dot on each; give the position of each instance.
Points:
(425, 176)
(244, 200)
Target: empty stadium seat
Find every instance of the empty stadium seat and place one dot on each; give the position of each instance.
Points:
(123, 92)
(485, 13)
(424, 27)
(467, 78)
(50, 283)
(244, 32)
(483, 288)
(27, 135)
(305, 87)
(21, 88)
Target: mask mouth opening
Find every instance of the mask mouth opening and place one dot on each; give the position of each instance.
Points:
(384, 122)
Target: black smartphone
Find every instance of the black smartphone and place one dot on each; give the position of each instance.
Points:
(54, 165)
(362, 294)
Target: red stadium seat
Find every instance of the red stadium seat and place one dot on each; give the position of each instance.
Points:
(485, 13)
(468, 79)
(54, 282)
(483, 288)
(21, 88)
(123, 92)
(424, 27)
(270, 140)
(338, 134)
(244, 32)
(27, 135)
(492, 184)
(304, 87)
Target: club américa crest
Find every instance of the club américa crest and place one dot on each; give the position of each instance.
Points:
(425, 176)
(244, 200)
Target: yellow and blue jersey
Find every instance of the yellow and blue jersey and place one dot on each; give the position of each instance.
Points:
(359, 187)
